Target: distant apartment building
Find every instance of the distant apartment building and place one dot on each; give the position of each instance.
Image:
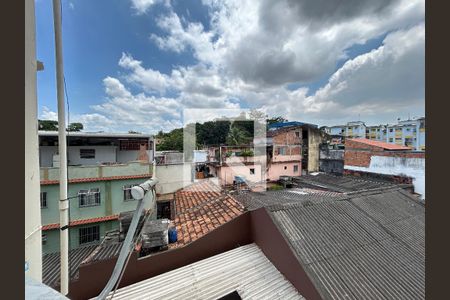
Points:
(102, 168)
(350, 130)
(410, 133)
(376, 132)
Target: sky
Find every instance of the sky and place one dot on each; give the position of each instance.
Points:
(138, 64)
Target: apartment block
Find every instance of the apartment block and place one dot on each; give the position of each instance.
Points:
(350, 130)
(102, 168)
(410, 133)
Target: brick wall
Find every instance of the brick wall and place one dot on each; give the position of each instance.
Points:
(288, 137)
(289, 140)
(359, 154)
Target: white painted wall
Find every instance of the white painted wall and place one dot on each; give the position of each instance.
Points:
(200, 155)
(411, 167)
(102, 154)
(131, 155)
(173, 177)
(33, 237)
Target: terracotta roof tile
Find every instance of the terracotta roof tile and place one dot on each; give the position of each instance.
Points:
(200, 208)
(92, 179)
(82, 222)
(380, 144)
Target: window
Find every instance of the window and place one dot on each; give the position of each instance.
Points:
(44, 239)
(133, 144)
(297, 134)
(164, 209)
(87, 153)
(43, 199)
(295, 168)
(282, 151)
(89, 197)
(89, 234)
(127, 192)
(391, 130)
(252, 171)
(391, 140)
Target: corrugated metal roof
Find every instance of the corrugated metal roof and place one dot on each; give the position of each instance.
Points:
(380, 144)
(343, 184)
(51, 262)
(369, 246)
(244, 269)
(255, 200)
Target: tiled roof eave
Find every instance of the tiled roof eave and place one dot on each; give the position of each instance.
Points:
(94, 179)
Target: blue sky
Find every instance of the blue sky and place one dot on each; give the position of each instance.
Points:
(160, 57)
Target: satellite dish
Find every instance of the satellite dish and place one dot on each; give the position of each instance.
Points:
(137, 192)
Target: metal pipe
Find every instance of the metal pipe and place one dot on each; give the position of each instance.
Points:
(64, 202)
(138, 193)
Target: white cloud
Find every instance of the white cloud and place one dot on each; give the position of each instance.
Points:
(148, 79)
(142, 6)
(47, 114)
(253, 49)
(279, 42)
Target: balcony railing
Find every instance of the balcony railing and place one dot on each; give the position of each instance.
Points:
(98, 171)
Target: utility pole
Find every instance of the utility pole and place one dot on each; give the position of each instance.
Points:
(63, 201)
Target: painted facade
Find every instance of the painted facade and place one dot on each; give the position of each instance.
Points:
(409, 133)
(102, 169)
(112, 201)
(94, 148)
(350, 130)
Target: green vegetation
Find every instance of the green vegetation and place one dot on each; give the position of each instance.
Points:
(51, 125)
(75, 127)
(274, 187)
(223, 131)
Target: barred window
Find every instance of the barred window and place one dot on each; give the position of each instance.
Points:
(43, 199)
(89, 234)
(295, 168)
(87, 153)
(89, 197)
(127, 192)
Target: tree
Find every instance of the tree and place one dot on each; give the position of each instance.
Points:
(274, 120)
(171, 141)
(236, 136)
(48, 125)
(212, 132)
(75, 127)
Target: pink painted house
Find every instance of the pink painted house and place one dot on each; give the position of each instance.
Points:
(283, 157)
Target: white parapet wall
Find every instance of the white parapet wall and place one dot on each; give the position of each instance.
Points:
(173, 177)
(400, 166)
(33, 236)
